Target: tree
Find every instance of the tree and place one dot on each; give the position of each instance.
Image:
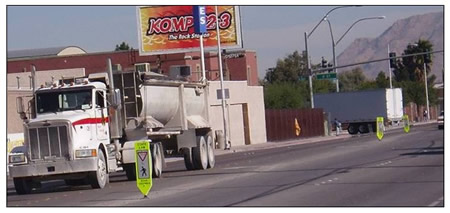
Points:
(289, 69)
(323, 86)
(381, 80)
(285, 95)
(411, 68)
(410, 74)
(351, 80)
(123, 46)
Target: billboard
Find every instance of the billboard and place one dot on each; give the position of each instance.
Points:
(170, 29)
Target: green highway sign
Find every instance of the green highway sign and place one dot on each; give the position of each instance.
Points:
(143, 167)
(326, 76)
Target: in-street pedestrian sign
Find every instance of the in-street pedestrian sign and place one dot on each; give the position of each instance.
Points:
(297, 127)
(143, 167)
(380, 128)
(406, 126)
(326, 76)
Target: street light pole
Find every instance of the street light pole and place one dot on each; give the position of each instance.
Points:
(334, 44)
(307, 54)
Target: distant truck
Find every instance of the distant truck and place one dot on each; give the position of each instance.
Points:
(360, 109)
(83, 130)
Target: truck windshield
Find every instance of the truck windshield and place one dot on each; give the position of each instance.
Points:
(58, 101)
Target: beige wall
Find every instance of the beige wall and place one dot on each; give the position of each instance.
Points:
(42, 77)
(240, 94)
(14, 123)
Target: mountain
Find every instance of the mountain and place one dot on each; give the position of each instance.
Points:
(406, 31)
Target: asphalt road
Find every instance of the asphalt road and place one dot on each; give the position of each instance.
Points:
(402, 170)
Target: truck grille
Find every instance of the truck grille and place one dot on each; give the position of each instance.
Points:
(48, 142)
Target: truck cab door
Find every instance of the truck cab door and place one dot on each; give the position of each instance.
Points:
(101, 115)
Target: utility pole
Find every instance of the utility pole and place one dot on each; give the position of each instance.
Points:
(308, 65)
(222, 90)
(390, 69)
(426, 89)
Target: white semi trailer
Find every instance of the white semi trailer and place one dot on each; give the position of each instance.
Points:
(359, 109)
(84, 130)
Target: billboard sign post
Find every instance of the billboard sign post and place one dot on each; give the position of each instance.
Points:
(200, 28)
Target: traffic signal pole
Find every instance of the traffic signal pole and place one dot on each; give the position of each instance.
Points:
(376, 60)
(390, 70)
(308, 65)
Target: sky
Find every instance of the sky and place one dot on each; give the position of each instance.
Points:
(272, 31)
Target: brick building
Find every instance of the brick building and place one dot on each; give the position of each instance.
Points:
(238, 65)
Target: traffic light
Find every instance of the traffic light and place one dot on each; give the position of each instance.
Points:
(324, 63)
(330, 65)
(427, 58)
(392, 61)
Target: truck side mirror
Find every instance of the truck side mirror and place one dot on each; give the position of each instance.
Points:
(116, 99)
(20, 108)
(19, 105)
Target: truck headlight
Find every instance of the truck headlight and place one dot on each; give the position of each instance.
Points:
(17, 158)
(84, 153)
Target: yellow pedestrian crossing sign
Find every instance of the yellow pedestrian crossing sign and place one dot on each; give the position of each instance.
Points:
(380, 128)
(406, 126)
(143, 167)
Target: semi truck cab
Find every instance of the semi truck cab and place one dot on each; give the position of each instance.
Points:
(67, 138)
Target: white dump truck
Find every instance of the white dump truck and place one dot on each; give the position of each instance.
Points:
(359, 109)
(81, 131)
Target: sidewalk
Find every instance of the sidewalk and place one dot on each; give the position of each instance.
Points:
(269, 145)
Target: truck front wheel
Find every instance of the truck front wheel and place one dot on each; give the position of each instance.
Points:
(99, 178)
(22, 185)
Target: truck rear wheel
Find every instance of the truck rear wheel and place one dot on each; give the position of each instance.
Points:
(157, 160)
(210, 146)
(200, 154)
(22, 185)
(187, 154)
(352, 129)
(99, 178)
(363, 128)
